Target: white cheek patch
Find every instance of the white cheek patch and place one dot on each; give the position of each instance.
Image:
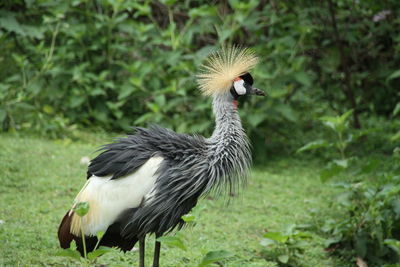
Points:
(239, 87)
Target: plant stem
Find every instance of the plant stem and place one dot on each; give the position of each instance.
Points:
(341, 145)
(97, 244)
(83, 241)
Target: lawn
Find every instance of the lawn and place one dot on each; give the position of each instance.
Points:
(39, 179)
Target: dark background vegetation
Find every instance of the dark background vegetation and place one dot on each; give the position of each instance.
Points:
(109, 65)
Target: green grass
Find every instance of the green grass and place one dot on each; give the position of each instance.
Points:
(39, 179)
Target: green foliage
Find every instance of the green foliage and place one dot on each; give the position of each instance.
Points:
(81, 208)
(286, 247)
(370, 204)
(369, 227)
(172, 241)
(339, 125)
(114, 64)
(214, 257)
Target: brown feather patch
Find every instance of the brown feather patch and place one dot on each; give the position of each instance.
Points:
(64, 235)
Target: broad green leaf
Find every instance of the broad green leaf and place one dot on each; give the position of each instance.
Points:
(396, 110)
(393, 244)
(168, 2)
(69, 253)
(215, 256)
(81, 208)
(126, 90)
(287, 112)
(267, 242)
(344, 117)
(330, 171)
(344, 163)
(189, 218)
(9, 23)
(276, 236)
(337, 123)
(3, 115)
(361, 243)
(256, 119)
(48, 109)
(303, 78)
(100, 234)
(313, 145)
(172, 241)
(394, 75)
(284, 258)
(98, 252)
(331, 241)
(371, 166)
(395, 137)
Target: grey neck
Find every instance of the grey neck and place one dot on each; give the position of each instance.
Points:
(228, 147)
(227, 120)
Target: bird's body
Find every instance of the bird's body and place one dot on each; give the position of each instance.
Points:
(144, 183)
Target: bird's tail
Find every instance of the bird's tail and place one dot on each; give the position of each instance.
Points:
(111, 238)
(64, 235)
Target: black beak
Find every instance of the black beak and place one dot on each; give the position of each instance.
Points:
(256, 91)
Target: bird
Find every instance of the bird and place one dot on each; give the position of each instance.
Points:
(143, 183)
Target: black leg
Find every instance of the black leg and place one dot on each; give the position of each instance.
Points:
(141, 251)
(157, 247)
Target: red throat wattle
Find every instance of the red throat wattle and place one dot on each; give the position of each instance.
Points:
(235, 104)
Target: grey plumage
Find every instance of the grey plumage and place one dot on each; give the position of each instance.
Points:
(168, 172)
(193, 166)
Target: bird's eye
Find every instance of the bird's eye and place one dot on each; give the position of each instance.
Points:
(239, 87)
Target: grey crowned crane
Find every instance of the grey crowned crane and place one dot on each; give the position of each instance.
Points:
(144, 183)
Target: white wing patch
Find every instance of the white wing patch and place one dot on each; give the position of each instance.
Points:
(239, 87)
(108, 198)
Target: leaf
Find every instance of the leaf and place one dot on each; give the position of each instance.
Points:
(284, 258)
(395, 137)
(276, 236)
(267, 242)
(3, 115)
(100, 234)
(189, 218)
(9, 23)
(396, 110)
(361, 244)
(98, 252)
(256, 118)
(81, 208)
(48, 109)
(393, 244)
(214, 256)
(172, 241)
(69, 253)
(337, 123)
(303, 78)
(344, 163)
(345, 116)
(332, 170)
(313, 145)
(371, 166)
(394, 75)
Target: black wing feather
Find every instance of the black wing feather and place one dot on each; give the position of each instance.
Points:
(128, 154)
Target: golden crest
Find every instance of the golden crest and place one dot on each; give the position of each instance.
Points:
(222, 67)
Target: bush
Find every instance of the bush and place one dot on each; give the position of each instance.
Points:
(114, 64)
(369, 206)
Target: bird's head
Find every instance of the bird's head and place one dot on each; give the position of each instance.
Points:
(243, 85)
(227, 72)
